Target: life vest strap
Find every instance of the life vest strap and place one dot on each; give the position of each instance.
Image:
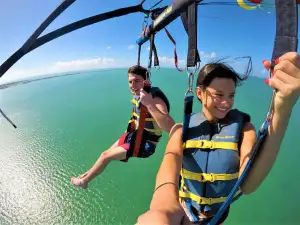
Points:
(134, 114)
(147, 129)
(202, 200)
(153, 130)
(204, 144)
(133, 101)
(205, 177)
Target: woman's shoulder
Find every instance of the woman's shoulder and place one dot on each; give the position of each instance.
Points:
(236, 113)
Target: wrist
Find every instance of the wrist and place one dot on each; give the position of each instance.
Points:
(166, 193)
(283, 106)
(283, 110)
(165, 183)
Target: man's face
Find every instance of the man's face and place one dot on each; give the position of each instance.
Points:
(136, 83)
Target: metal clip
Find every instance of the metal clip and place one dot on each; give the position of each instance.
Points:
(191, 78)
(148, 75)
(190, 83)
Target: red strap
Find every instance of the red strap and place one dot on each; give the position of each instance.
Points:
(175, 54)
(174, 42)
(140, 131)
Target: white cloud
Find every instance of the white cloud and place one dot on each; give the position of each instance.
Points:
(84, 64)
(108, 47)
(213, 55)
(59, 67)
(131, 47)
(210, 55)
(167, 60)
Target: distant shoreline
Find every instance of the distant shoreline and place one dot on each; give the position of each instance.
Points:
(7, 85)
(49, 76)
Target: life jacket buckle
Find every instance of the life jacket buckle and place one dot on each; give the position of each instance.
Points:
(212, 144)
(212, 177)
(201, 177)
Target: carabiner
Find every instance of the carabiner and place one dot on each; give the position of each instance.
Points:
(190, 83)
(148, 75)
(191, 78)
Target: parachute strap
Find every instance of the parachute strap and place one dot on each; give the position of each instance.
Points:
(156, 61)
(188, 105)
(143, 109)
(144, 28)
(286, 40)
(204, 144)
(207, 177)
(189, 20)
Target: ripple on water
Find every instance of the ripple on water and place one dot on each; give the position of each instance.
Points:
(35, 175)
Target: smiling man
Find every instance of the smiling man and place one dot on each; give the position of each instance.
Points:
(157, 120)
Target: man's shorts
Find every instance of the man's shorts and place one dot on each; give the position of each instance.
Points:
(146, 149)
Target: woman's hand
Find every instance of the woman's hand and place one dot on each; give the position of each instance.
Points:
(174, 216)
(286, 80)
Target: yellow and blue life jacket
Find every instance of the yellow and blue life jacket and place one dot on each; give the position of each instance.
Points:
(152, 132)
(211, 161)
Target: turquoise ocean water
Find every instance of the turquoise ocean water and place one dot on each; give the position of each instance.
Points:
(65, 123)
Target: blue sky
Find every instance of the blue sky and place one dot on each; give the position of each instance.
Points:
(222, 31)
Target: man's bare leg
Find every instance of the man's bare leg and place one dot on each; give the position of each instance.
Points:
(116, 153)
(111, 147)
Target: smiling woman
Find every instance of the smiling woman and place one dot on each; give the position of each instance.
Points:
(215, 92)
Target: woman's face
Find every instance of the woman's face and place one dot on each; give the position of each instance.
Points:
(218, 98)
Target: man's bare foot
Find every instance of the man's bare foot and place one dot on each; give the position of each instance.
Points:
(79, 182)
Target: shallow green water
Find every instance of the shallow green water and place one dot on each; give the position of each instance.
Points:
(65, 123)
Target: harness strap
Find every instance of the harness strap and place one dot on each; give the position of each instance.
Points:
(143, 111)
(188, 109)
(156, 61)
(151, 50)
(153, 17)
(141, 126)
(286, 40)
(189, 20)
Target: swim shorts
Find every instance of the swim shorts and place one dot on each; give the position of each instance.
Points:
(147, 148)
